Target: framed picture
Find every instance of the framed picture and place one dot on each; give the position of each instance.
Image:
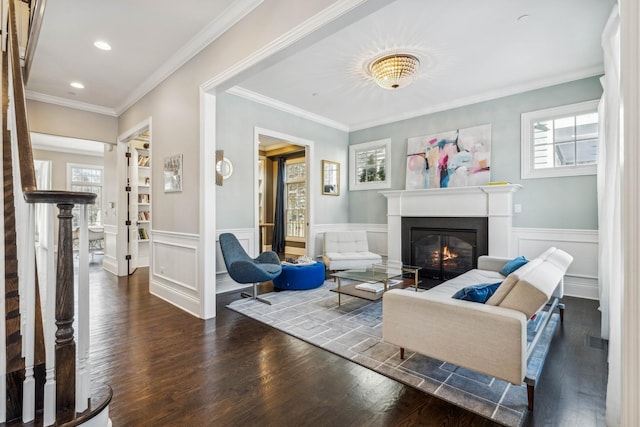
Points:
(330, 178)
(172, 172)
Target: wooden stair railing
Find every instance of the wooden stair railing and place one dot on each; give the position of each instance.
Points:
(17, 339)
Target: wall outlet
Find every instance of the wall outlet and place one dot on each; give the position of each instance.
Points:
(517, 208)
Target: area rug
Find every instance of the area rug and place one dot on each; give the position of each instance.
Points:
(354, 331)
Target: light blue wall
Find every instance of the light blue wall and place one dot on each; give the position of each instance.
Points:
(567, 202)
(236, 119)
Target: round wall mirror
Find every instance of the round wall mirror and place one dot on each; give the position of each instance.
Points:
(224, 168)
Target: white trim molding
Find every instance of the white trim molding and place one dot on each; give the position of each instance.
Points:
(581, 279)
(527, 120)
(287, 108)
(109, 260)
(174, 270)
(354, 150)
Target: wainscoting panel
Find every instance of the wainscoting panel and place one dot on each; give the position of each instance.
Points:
(247, 239)
(174, 275)
(110, 260)
(581, 279)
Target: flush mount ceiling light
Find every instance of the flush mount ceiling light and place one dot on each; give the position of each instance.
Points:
(394, 71)
(100, 44)
(77, 85)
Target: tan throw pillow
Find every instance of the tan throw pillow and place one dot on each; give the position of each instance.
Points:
(503, 290)
(525, 298)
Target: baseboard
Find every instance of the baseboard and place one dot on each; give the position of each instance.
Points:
(110, 264)
(581, 287)
(175, 297)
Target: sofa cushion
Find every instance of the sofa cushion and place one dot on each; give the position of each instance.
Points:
(513, 265)
(471, 277)
(534, 283)
(350, 260)
(525, 298)
(504, 289)
(477, 293)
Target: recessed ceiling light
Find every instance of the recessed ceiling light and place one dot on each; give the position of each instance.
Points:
(77, 85)
(100, 44)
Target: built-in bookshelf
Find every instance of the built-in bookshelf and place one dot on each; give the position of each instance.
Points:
(144, 196)
(140, 201)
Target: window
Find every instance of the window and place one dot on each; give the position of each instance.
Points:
(369, 165)
(560, 141)
(296, 191)
(86, 178)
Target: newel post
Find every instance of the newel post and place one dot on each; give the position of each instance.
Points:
(65, 344)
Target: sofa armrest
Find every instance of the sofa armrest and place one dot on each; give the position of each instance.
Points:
(487, 339)
(491, 263)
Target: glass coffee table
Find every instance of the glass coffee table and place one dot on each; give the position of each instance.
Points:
(373, 282)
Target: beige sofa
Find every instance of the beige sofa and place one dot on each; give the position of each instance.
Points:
(489, 338)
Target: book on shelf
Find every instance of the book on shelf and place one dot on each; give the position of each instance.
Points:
(143, 161)
(142, 233)
(144, 216)
(143, 198)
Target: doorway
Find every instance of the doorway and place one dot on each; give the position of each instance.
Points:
(292, 156)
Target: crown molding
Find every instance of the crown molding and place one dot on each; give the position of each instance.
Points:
(287, 108)
(461, 102)
(50, 99)
(334, 11)
(62, 144)
(487, 96)
(228, 18)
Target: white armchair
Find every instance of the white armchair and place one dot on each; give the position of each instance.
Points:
(345, 250)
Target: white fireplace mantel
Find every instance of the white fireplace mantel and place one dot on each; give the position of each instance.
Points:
(491, 201)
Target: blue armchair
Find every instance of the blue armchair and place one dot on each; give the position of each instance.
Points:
(244, 269)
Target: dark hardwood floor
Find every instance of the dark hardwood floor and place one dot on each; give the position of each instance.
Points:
(168, 368)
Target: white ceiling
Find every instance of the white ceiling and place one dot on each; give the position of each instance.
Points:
(149, 39)
(470, 51)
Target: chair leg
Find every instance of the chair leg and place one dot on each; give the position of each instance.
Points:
(530, 392)
(255, 295)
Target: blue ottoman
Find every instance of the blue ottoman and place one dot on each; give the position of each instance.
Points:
(297, 277)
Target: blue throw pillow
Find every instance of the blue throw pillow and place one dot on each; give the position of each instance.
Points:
(477, 293)
(513, 265)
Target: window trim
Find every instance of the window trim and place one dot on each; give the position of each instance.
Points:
(527, 170)
(304, 180)
(354, 185)
(87, 166)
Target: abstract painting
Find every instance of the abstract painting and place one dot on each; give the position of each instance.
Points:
(458, 158)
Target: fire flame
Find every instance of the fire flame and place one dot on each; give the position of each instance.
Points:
(447, 254)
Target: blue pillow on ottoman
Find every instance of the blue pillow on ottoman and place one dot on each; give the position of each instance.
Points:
(513, 265)
(477, 293)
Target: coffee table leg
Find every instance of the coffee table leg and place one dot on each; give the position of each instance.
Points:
(415, 279)
(384, 282)
(339, 293)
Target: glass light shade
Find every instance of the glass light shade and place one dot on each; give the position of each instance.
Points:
(394, 71)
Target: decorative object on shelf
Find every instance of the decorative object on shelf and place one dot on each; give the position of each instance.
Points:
(172, 171)
(394, 71)
(458, 158)
(224, 168)
(330, 178)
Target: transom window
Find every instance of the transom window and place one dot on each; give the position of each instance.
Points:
(88, 178)
(369, 165)
(560, 141)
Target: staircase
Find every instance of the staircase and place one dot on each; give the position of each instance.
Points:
(45, 366)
